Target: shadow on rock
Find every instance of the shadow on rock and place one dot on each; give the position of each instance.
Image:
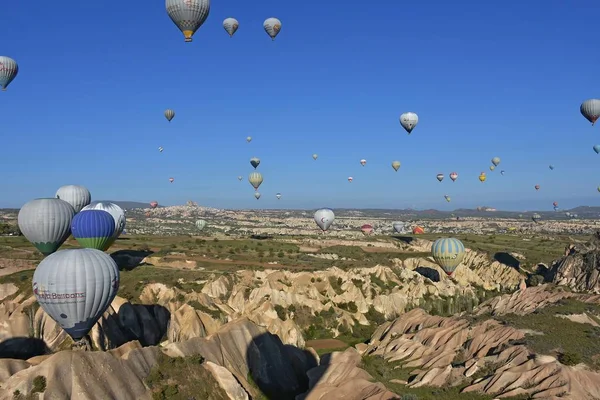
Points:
(279, 371)
(430, 273)
(23, 348)
(405, 239)
(507, 259)
(261, 237)
(129, 259)
(146, 323)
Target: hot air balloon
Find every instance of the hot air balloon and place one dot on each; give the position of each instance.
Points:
(399, 227)
(363, 162)
(255, 179)
(447, 198)
(537, 187)
(272, 26)
(231, 25)
(482, 177)
(200, 224)
(396, 165)
(409, 121)
(366, 229)
(249, 139)
(257, 195)
(93, 229)
(597, 148)
(188, 15)
(590, 109)
(240, 178)
(153, 204)
(551, 167)
(160, 149)
(46, 223)
(278, 195)
(118, 216)
(417, 230)
(315, 156)
(75, 287)
(77, 196)
(496, 161)
(492, 168)
(502, 172)
(255, 162)
(448, 253)
(171, 180)
(453, 176)
(440, 177)
(536, 217)
(8, 71)
(169, 114)
(599, 188)
(324, 218)
(555, 204)
(350, 179)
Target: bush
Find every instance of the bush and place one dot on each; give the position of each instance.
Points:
(39, 384)
(569, 358)
(535, 280)
(281, 312)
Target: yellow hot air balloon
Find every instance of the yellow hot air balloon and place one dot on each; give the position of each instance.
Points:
(482, 177)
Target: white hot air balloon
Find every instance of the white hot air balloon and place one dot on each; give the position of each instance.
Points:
(399, 227)
(75, 287)
(278, 195)
(117, 213)
(363, 162)
(272, 26)
(257, 195)
(255, 179)
(324, 218)
(409, 121)
(8, 71)
(46, 223)
(231, 25)
(76, 195)
(188, 15)
(590, 109)
(200, 224)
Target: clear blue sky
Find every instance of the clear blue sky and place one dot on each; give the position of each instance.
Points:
(486, 79)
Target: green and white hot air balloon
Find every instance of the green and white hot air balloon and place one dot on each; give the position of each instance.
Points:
(255, 179)
(200, 224)
(46, 223)
(448, 253)
(188, 15)
(169, 114)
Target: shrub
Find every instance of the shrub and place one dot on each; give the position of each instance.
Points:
(569, 358)
(39, 384)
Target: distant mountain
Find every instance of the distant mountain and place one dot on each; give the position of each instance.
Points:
(128, 205)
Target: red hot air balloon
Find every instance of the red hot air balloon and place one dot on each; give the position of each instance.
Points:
(453, 176)
(366, 229)
(153, 204)
(417, 230)
(537, 187)
(350, 179)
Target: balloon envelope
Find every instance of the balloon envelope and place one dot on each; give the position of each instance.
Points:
(188, 15)
(231, 25)
(399, 227)
(255, 162)
(93, 229)
(200, 224)
(272, 26)
(396, 165)
(590, 109)
(255, 179)
(75, 287)
(448, 253)
(169, 114)
(324, 218)
(46, 223)
(8, 71)
(117, 213)
(409, 121)
(77, 196)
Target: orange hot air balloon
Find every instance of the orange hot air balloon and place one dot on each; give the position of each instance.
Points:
(417, 230)
(366, 229)
(537, 187)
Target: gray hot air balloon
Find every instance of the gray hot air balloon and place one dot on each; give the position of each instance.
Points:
(255, 162)
(8, 71)
(324, 218)
(496, 161)
(315, 156)
(76, 195)
(169, 114)
(409, 121)
(255, 179)
(278, 195)
(272, 27)
(188, 15)
(399, 227)
(536, 217)
(75, 287)
(231, 25)
(590, 109)
(249, 139)
(46, 223)
(160, 149)
(257, 195)
(396, 165)
(200, 224)
(117, 213)
(240, 178)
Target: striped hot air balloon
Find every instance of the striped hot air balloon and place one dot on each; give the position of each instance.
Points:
(448, 253)
(417, 230)
(93, 229)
